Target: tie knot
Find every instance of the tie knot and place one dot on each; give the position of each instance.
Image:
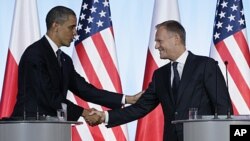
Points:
(58, 52)
(175, 65)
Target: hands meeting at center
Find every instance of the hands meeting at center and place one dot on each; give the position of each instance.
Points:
(94, 117)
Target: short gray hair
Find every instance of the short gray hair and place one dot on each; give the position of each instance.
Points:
(175, 27)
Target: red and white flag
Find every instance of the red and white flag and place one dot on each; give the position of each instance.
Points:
(153, 122)
(94, 57)
(25, 31)
(230, 45)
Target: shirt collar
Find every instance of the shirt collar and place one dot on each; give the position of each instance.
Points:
(52, 44)
(182, 59)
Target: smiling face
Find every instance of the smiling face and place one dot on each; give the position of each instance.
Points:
(165, 42)
(170, 40)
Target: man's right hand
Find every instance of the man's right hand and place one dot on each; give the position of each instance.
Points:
(133, 99)
(93, 117)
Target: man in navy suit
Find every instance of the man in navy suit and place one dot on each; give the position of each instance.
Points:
(43, 80)
(194, 81)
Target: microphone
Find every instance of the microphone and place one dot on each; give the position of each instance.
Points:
(37, 98)
(37, 113)
(24, 90)
(229, 109)
(226, 63)
(24, 112)
(216, 91)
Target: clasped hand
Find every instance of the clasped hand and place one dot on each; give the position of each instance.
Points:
(93, 117)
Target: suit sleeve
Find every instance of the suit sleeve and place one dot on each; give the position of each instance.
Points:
(217, 89)
(90, 93)
(142, 107)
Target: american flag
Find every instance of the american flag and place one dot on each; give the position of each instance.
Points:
(230, 45)
(94, 58)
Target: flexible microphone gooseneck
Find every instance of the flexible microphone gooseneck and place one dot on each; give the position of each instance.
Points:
(228, 109)
(24, 90)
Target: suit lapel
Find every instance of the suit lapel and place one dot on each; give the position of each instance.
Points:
(65, 70)
(186, 76)
(51, 59)
(167, 82)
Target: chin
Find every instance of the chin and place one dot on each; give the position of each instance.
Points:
(162, 57)
(67, 45)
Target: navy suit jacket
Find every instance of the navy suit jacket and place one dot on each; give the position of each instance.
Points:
(43, 85)
(197, 89)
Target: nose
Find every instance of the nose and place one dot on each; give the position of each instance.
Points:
(74, 32)
(156, 45)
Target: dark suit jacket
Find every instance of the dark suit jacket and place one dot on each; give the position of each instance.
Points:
(197, 89)
(43, 85)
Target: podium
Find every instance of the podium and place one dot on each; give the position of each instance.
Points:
(209, 129)
(36, 130)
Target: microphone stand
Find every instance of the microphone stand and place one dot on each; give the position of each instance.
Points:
(228, 110)
(216, 92)
(24, 90)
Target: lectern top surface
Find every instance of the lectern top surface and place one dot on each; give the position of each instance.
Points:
(211, 118)
(40, 120)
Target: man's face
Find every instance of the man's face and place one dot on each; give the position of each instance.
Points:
(66, 31)
(165, 43)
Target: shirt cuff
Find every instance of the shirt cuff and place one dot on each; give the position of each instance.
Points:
(124, 99)
(106, 117)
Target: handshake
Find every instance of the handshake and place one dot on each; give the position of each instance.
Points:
(94, 117)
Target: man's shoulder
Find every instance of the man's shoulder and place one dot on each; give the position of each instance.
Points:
(164, 68)
(200, 58)
(35, 51)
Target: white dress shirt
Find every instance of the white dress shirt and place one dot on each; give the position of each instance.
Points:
(181, 62)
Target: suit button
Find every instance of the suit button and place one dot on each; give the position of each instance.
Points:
(176, 113)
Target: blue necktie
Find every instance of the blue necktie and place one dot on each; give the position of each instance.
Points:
(176, 80)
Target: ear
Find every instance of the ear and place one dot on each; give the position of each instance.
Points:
(177, 39)
(177, 36)
(55, 26)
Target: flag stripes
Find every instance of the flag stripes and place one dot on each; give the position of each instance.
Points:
(151, 65)
(75, 134)
(25, 30)
(94, 58)
(9, 91)
(105, 47)
(86, 63)
(242, 44)
(237, 99)
(225, 49)
(90, 55)
(230, 44)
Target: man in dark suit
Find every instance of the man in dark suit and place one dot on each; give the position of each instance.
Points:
(46, 74)
(195, 82)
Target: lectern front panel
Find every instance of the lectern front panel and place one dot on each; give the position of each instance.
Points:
(35, 131)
